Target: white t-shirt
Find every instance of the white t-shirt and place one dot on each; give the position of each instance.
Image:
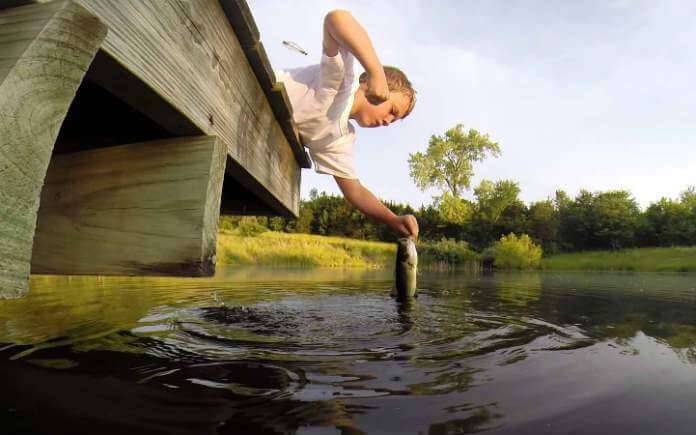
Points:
(322, 97)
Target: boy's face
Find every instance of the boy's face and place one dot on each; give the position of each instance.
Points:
(370, 115)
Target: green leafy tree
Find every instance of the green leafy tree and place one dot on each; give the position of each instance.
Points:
(303, 224)
(453, 209)
(543, 223)
(448, 162)
(576, 220)
(665, 223)
(670, 222)
(604, 220)
(615, 214)
(493, 198)
(688, 198)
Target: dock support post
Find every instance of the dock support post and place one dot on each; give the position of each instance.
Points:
(45, 51)
(148, 208)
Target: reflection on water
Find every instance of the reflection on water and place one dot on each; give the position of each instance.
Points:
(328, 351)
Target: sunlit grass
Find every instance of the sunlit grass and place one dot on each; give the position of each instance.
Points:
(677, 259)
(285, 249)
(305, 250)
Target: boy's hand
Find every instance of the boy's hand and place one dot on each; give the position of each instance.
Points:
(407, 226)
(342, 30)
(366, 202)
(377, 88)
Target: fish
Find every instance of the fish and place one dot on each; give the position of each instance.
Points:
(406, 269)
(293, 46)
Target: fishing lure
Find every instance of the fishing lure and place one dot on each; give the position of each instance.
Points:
(293, 46)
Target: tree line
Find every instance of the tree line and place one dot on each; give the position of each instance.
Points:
(589, 221)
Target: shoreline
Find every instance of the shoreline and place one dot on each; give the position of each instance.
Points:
(308, 250)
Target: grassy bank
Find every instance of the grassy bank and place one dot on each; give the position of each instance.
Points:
(678, 259)
(251, 246)
(283, 249)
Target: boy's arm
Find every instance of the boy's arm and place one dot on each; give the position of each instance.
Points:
(342, 30)
(366, 202)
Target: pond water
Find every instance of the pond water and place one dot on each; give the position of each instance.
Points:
(312, 351)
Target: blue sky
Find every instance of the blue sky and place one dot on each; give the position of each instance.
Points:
(579, 94)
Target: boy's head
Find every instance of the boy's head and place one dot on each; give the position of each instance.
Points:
(402, 98)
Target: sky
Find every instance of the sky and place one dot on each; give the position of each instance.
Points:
(594, 95)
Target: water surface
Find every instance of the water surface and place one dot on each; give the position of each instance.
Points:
(312, 351)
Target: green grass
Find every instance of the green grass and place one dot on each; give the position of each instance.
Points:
(283, 249)
(678, 259)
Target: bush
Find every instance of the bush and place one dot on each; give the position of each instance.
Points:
(228, 223)
(512, 252)
(446, 251)
(249, 227)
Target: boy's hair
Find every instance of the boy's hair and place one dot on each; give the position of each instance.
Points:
(397, 82)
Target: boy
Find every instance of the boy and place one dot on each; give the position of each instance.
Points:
(325, 96)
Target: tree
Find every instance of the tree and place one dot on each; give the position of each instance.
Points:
(493, 198)
(543, 223)
(665, 223)
(304, 221)
(575, 220)
(615, 214)
(448, 162)
(604, 220)
(453, 209)
(688, 197)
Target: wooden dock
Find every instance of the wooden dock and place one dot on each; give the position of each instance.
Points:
(127, 127)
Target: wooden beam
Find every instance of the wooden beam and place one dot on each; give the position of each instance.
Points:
(215, 85)
(45, 51)
(148, 208)
(187, 53)
(238, 13)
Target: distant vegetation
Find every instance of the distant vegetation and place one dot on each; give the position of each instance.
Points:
(512, 252)
(676, 259)
(494, 225)
(248, 242)
(245, 241)
(608, 220)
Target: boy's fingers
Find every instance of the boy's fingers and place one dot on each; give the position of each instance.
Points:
(407, 226)
(413, 229)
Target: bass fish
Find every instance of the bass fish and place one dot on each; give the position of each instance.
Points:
(406, 269)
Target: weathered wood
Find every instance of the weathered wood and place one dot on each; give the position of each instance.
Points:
(148, 208)
(188, 53)
(45, 51)
(240, 16)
